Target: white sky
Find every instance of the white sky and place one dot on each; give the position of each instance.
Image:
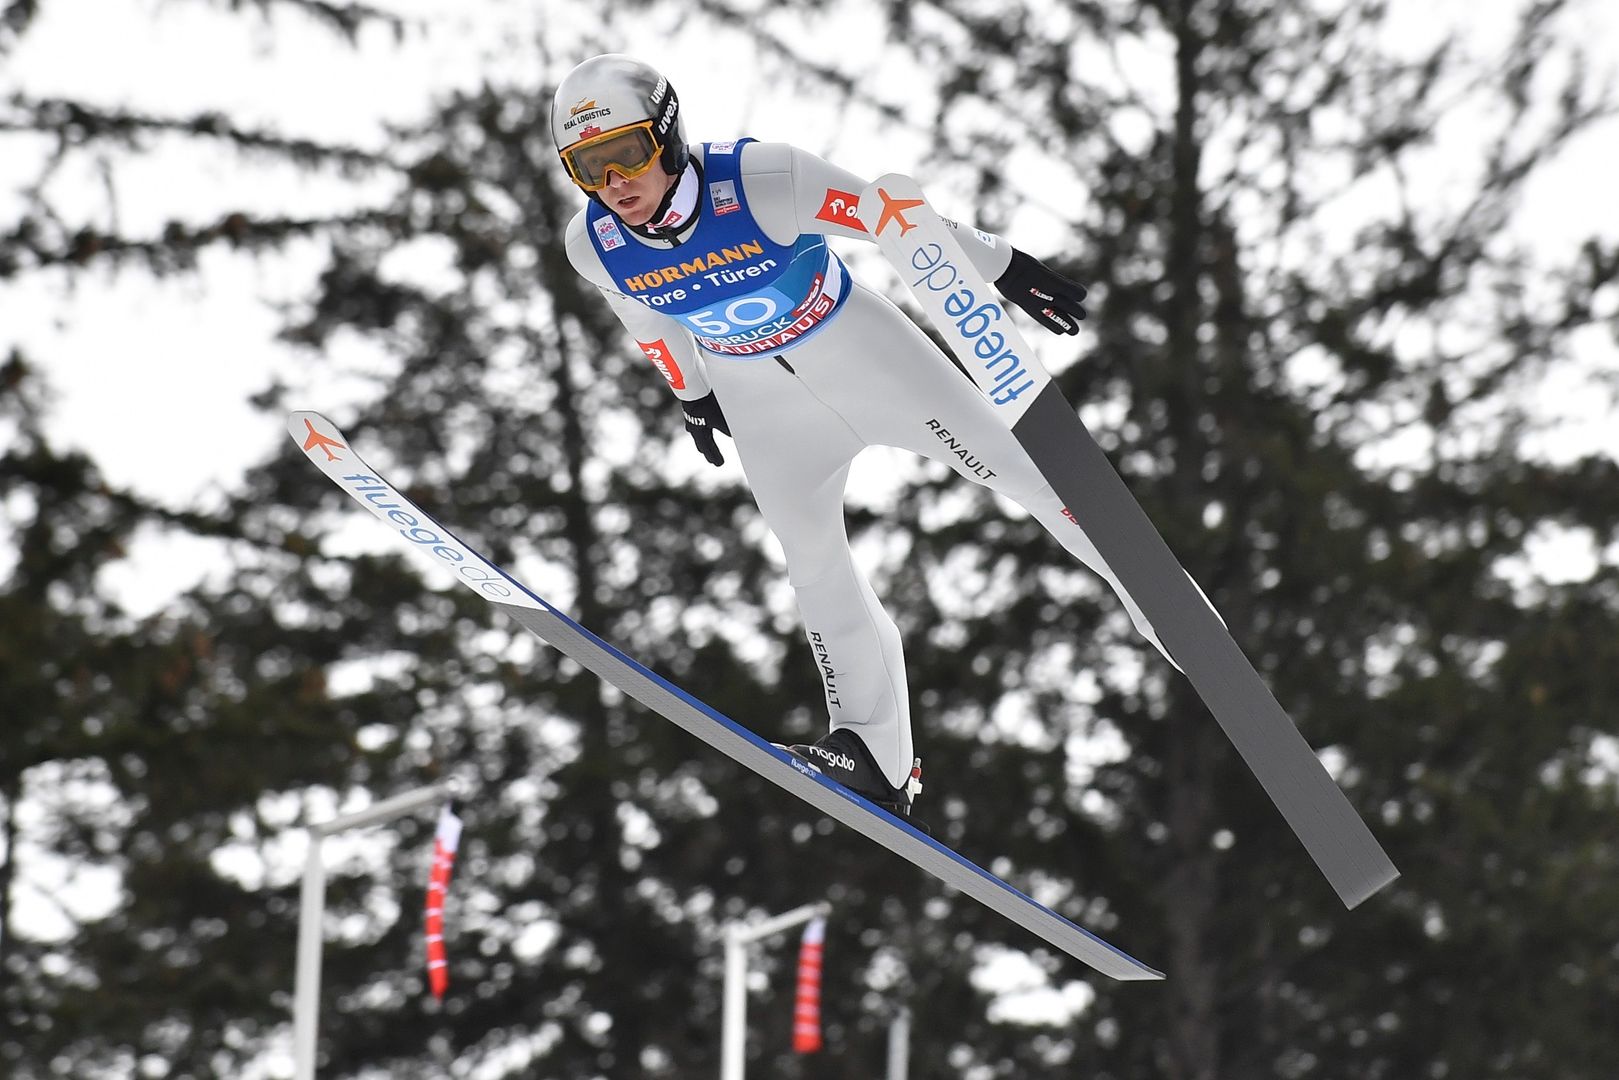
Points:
(122, 345)
(122, 340)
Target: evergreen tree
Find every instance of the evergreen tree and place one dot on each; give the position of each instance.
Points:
(152, 752)
(1250, 375)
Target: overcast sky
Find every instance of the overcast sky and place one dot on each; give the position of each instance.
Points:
(120, 344)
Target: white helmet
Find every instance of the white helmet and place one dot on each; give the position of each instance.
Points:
(612, 111)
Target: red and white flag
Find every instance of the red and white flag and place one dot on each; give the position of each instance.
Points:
(807, 1002)
(445, 840)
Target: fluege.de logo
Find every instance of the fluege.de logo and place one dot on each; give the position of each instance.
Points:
(388, 504)
(1009, 379)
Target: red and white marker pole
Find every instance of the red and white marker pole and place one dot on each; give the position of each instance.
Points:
(446, 840)
(738, 936)
(312, 906)
(807, 1001)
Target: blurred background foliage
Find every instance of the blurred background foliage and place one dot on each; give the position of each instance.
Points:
(1314, 369)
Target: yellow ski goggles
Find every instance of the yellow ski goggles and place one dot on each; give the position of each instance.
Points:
(629, 151)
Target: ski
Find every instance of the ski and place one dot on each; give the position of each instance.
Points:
(969, 315)
(329, 449)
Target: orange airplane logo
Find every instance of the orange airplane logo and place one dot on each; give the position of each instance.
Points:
(894, 210)
(317, 439)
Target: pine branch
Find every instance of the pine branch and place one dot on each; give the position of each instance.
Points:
(346, 19)
(78, 124)
(17, 16)
(27, 248)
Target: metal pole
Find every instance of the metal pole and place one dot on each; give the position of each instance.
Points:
(312, 907)
(734, 1033)
(776, 924)
(899, 1044)
(306, 995)
(386, 810)
(733, 1024)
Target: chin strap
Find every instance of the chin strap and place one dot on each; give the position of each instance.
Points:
(665, 203)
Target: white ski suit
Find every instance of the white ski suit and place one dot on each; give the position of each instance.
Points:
(810, 367)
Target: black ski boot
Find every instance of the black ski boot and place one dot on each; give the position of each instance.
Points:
(841, 755)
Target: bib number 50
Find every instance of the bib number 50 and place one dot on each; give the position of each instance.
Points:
(738, 314)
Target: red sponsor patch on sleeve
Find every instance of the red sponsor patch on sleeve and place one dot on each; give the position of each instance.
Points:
(839, 208)
(662, 359)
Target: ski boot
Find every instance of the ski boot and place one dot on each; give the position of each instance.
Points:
(841, 755)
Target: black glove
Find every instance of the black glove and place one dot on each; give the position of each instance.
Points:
(703, 418)
(1052, 299)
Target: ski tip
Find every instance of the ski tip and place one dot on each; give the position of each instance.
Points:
(301, 421)
(885, 202)
(894, 180)
(319, 438)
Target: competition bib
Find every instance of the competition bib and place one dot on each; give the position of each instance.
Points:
(738, 292)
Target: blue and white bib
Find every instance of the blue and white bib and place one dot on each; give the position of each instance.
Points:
(738, 292)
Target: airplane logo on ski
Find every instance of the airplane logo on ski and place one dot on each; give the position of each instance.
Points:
(318, 441)
(894, 210)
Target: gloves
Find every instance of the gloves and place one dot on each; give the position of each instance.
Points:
(1052, 299)
(703, 418)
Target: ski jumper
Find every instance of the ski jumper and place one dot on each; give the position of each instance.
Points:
(748, 301)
